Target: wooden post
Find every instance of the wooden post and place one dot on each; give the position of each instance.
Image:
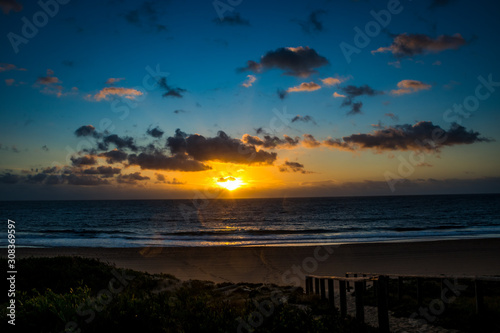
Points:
(311, 290)
(347, 283)
(420, 291)
(400, 288)
(308, 291)
(331, 292)
(360, 307)
(478, 286)
(343, 300)
(383, 306)
(322, 288)
(316, 285)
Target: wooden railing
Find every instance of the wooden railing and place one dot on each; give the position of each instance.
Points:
(316, 284)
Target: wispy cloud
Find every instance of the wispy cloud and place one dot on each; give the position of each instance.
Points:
(305, 86)
(408, 45)
(249, 81)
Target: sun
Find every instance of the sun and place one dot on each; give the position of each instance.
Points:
(229, 183)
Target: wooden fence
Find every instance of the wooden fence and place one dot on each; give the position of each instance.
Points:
(316, 284)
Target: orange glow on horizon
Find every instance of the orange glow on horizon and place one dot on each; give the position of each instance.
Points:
(229, 183)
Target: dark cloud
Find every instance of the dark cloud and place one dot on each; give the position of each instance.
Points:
(392, 116)
(83, 160)
(119, 142)
(170, 91)
(304, 119)
(85, 180)
(8, 5)
(160, 161)
(293, 167)
(146, 16)
(8, 178)
(281, 93)
(312, 24)
(271, 141)
(231, 19)
(179, 111)
(162, 179)
(114, 156)
(131, 178)
(105, 171)
(85, 130)
(423, 135)
(351, 92)
(45, 148)
(295, 61)
(219, 148)
(226, 179)
(155, 132)
(68, 63)
(405, 45)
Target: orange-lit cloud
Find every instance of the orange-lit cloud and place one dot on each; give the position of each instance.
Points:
(128, 93)
(409, 87)
(249, 81)
(305, 86)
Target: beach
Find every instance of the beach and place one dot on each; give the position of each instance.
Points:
(284, 265)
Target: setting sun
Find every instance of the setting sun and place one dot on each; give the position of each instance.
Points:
(229, 183)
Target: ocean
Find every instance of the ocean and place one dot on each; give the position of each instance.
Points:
(247, 222)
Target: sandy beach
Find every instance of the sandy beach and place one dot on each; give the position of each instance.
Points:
(287, 265)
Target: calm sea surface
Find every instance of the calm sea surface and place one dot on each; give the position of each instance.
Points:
(251, 221)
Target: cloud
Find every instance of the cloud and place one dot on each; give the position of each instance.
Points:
(113, 80)
(405, 45)
(333, 81)
(170, 91)
(83, 160)
(162, 179)
(337, 95)
(409, 87)
(337, 144)
(131, 178)
(249, 81)
(304, 119)
(225, 179)
(49, 79)
(179, 111)
(85, 130)
(45, 148)
(159, 161)
(231, 19)
(155, 132)
(305, 86)
(9, 178)
(114, 156)
(85, 180)
(351, 92)
(9, 82)
(423, 135)
(392, 116)
(294, 61)
(119, 142)
(128, 93)
(312, 24)
(8, 5)
(270, 141)
(219, 148)
(451, 84)
(146, 16)
(309, 141)
(281, 93)
(105, 171)
(293, 167)
(437, 63)
(4, 67)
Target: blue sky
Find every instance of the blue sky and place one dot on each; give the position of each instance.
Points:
(96, 63)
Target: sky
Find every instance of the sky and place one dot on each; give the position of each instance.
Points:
(237, 98)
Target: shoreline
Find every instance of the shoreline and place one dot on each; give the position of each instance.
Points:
(288, 264)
